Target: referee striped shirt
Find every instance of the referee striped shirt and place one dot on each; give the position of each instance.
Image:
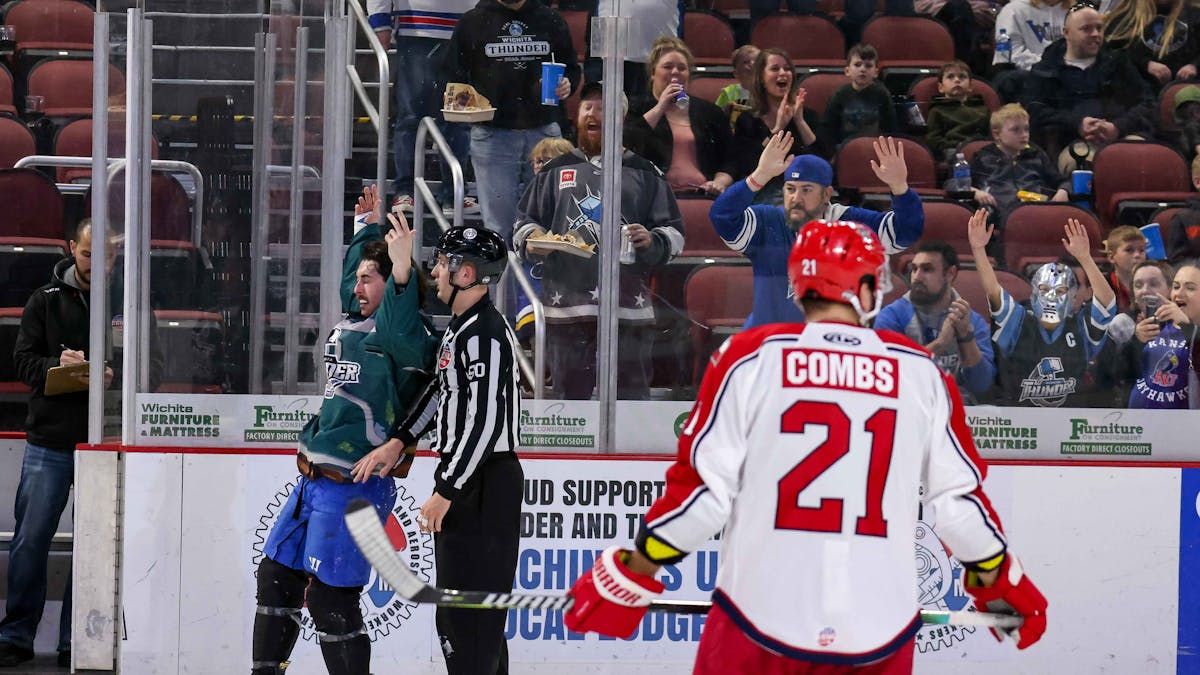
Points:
(474, 403)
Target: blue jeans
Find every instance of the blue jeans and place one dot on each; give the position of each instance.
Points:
(418, 90)
(46, 478)
(502, 170)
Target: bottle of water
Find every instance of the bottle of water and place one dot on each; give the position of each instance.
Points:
(1003, 47)
(961, 180)
(682, 100)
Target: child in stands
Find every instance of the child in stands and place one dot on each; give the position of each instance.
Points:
(863, 107)
(956, 116)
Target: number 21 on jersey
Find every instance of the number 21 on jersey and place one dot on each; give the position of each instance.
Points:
(800, 418)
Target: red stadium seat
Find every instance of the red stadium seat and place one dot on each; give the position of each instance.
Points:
(66, 85)
(709, 88)
(734, 9)
(909, 42)
(701, 240)
(808, 40)
(853, 166)
(577, 23)
(75, 140)
(10, 324)
(944, 221)
(709, 37)
(1166, 105)
(819, 88)
(971, 147)
(1143, 171)
(31, 233)
(16, 141)
(1033, 234)
(719, 298)
(52, 26)
(924, 89)
(970, 287)
(6, 93)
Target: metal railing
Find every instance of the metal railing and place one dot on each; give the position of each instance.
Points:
(537, 373)
(378, 114)
(422, 195)
(114, 167)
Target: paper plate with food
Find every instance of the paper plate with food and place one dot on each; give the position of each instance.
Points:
(550, 242)
(461, 103)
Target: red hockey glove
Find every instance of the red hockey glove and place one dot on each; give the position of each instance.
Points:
(1013, 593)
(610, 598)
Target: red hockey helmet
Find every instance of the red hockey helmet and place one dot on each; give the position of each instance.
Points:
(830, 260)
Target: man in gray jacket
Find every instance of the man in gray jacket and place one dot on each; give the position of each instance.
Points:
(565, 199)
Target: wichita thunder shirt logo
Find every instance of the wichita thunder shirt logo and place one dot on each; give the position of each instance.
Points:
(514, 46)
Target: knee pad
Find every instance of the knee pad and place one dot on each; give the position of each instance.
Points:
(344, 642)
(277, 618)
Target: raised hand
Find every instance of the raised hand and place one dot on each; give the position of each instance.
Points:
(775, 157)
(1076, 240)
(889, 166)
(400, 240)
(979, 233)
(370, 204)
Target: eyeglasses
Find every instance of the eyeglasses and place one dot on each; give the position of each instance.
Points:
(1083, 4)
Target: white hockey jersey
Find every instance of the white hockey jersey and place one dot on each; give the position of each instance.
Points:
(809, 444)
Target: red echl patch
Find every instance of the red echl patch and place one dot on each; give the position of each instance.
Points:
(566, 179)
(444, 357)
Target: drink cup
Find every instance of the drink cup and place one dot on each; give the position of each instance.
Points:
(551, 74)
(8, 39)
(1155, 248)
(1081, 182)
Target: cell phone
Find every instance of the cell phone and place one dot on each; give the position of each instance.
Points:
(1151, 303)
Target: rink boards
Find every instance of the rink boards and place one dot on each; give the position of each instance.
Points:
(1103, 543)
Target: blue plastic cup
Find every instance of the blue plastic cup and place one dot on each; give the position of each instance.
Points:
(1081, 182)
(551, 74)
(1155, 248)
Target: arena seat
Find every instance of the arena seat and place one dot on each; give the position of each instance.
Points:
(944, 221)
(971, 147)
(7, 107)
(10, 323)
(191, 344)
(909, 42)
(1166, 105)
(819, 88)
(925, 89)
(709, 37)
(16, 141)
(853, 166)
(734, 9)
(809, 40)
(709, 88)
(52, 27)
(701, 240)
(577, 23)
(1033, 234)
(75, 140)
(66, 85)
(1138, 171)
(32, 239)
(719, 298)
(970, 287)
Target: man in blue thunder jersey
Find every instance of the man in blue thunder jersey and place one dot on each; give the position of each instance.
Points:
(373, 361)
(765, 233)
(1051, 352)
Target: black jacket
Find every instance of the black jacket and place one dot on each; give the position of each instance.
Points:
(57, 316)
(1031, 170)
(1183, 234)
(1183, 50)
(500, 53)
(1058, 97)
(714, 140)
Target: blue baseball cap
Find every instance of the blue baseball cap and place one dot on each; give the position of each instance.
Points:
(810, 169)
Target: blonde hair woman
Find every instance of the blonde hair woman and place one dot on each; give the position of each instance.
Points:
(1161, 39)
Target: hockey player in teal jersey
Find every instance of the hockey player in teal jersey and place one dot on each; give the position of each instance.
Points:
(374, 360)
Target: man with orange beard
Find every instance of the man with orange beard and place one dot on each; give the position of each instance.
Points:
(565, 199)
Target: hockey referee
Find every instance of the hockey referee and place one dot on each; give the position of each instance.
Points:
(474, 405)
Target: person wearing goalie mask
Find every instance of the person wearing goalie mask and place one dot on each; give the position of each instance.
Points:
(1050, 351)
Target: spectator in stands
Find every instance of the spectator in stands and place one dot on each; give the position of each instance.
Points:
(735, 98)
(648, 21)
(546, 150)
(542, 154)
(765, 234)
(1050, 352)
(776, 105)
(1150, 278)
(1161, 356)
(1187, 119)
(863, 107)
(1183, 237)
(1125, 247)
(1084, 89)
(1031, 25)
(54, 332)
(1010, 165)
(422, 29)
(1160, 38)
(512, 80)
(564, 199)
(965, 19)
(693, 146)
(958, 115)
(933, 314)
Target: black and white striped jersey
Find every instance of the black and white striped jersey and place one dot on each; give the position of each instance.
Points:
(474, 402)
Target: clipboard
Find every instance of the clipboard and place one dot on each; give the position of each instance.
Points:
(65, 379)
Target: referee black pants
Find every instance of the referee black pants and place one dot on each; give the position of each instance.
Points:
(477, 551)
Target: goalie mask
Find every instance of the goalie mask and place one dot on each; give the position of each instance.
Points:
(1054, 288)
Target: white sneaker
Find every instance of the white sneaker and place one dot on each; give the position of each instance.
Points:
(470, 207)
(402, 204)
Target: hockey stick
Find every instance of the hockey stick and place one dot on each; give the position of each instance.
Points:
(363, 523)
